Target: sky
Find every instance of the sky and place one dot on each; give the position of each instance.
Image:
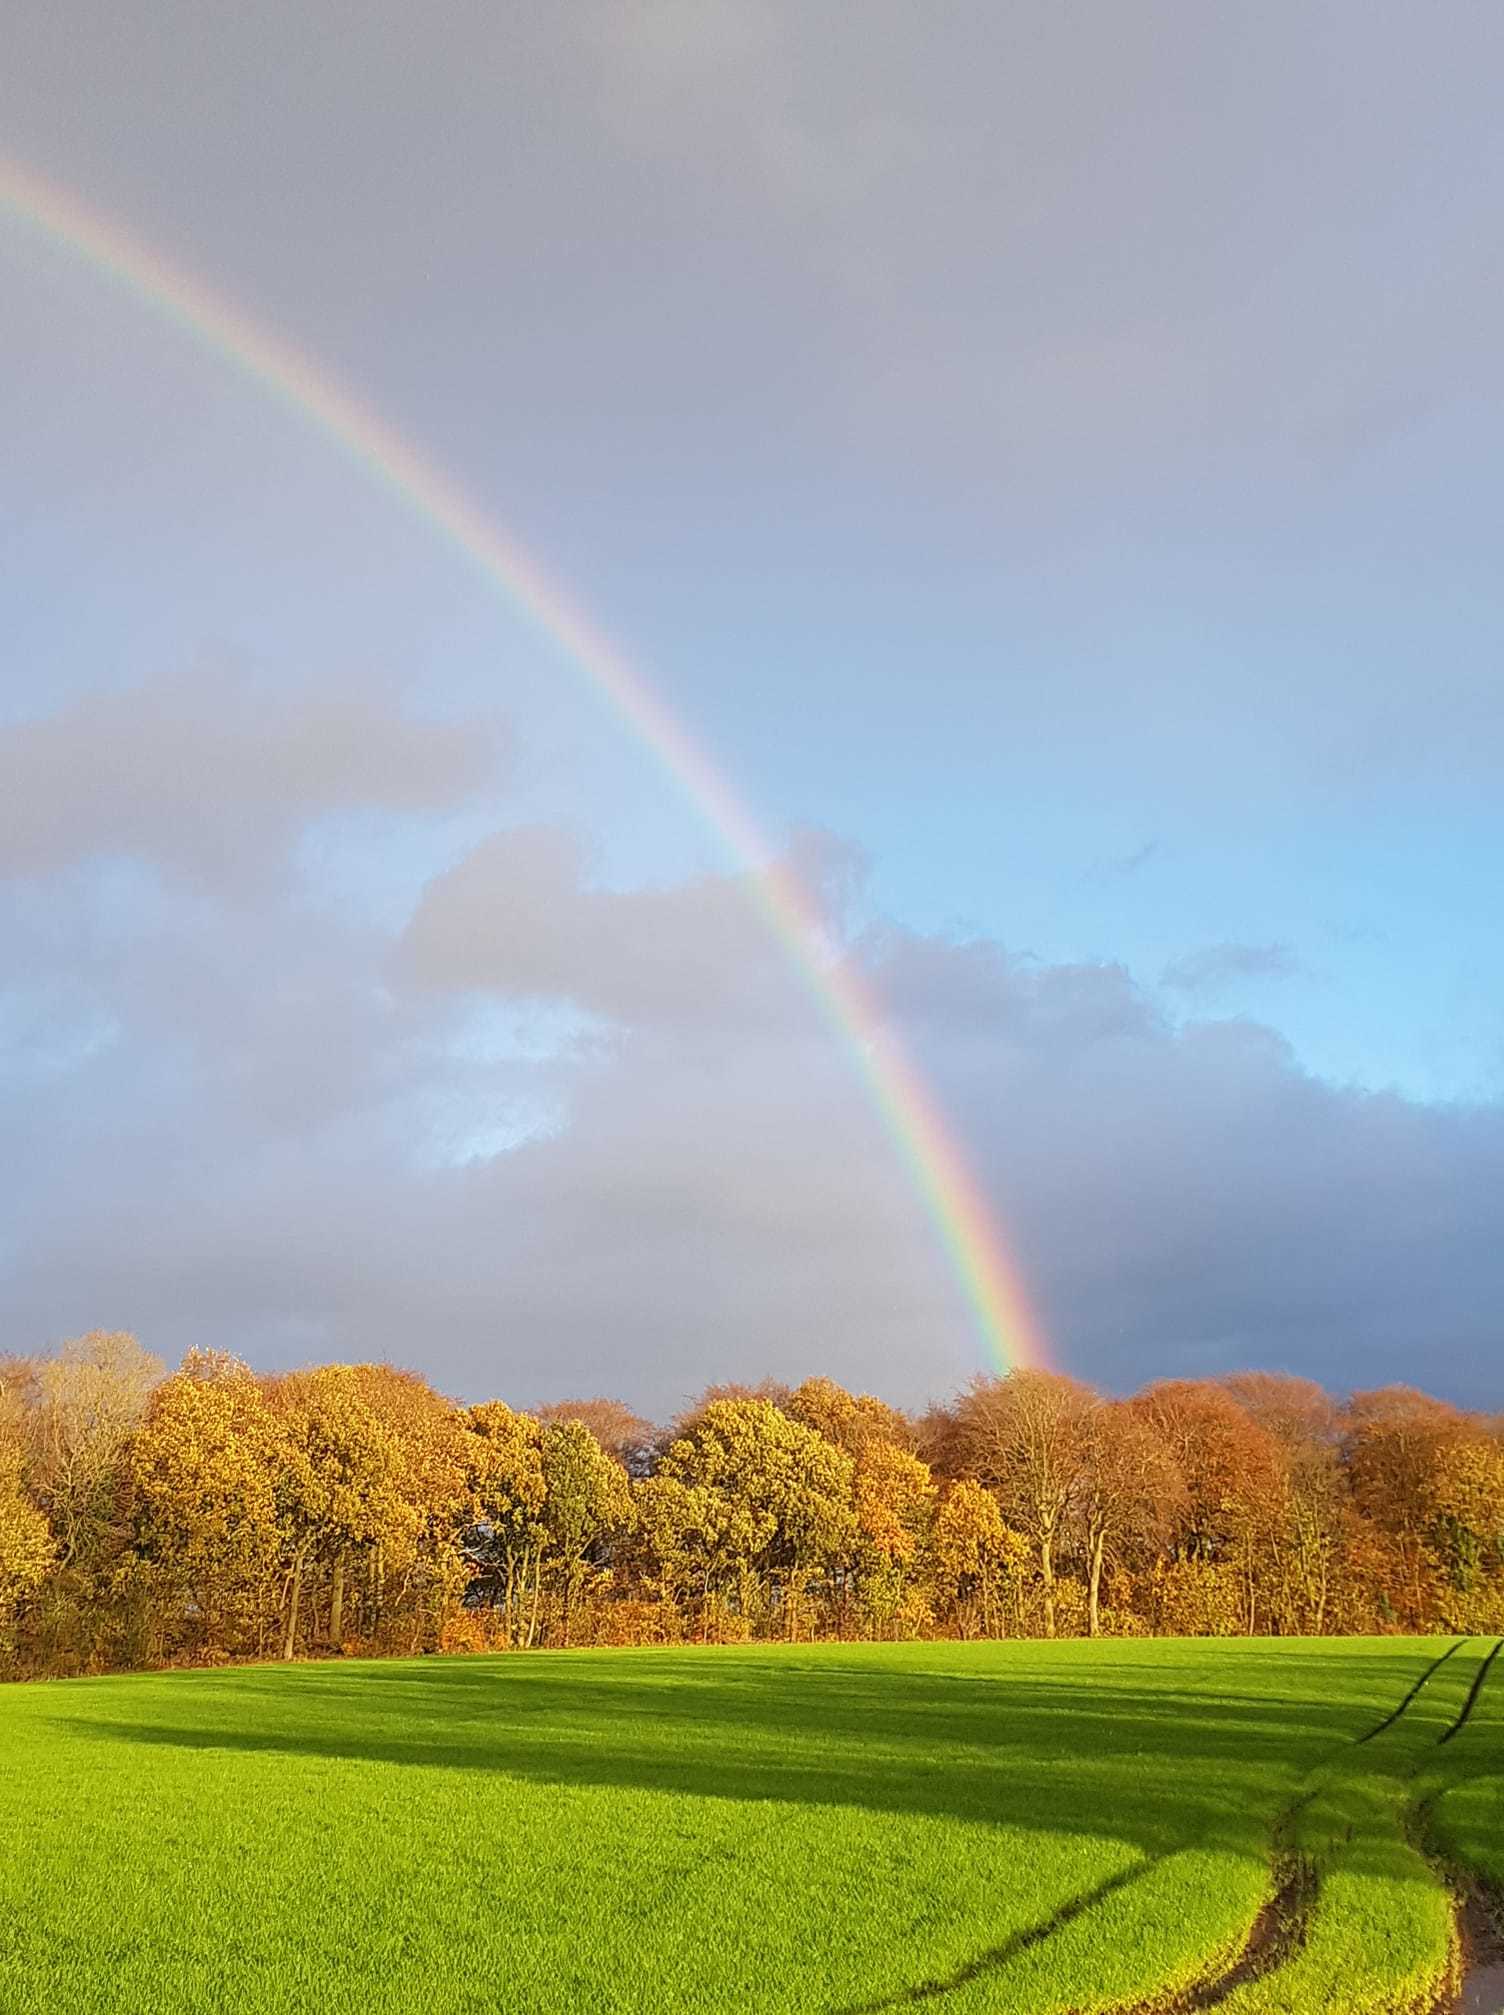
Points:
(1049, 458)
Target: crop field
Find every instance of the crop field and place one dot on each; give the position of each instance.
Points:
(1251, 1826)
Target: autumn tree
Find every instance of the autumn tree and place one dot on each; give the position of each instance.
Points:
(203, 1473)
(1306, 1536)
(1129, 1493)
(356, 1490)
(1393, 1443)
(752, 1503)
(1233, 1484)
(1024, 1437)
(505, 1492)
(623, 1434)
(27, 1550)
(976, 1557)
(85, 1403)
(587, 1501)
(853, 1421)
(893, 1498)
(1468, 1525)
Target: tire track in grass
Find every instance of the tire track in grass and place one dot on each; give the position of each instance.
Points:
(1380, 1930)
(1277, 1935)
(1482, 1989)
(1480, 1927)
(1480, 1679)
(1414, 1694)
(1283, 1927)
(1480, 1931)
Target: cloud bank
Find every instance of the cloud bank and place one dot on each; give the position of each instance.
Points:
(542, 1135)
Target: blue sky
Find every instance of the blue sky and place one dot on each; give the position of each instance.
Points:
(1054, 455)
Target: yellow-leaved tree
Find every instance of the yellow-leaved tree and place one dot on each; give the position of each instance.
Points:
(203, 1472)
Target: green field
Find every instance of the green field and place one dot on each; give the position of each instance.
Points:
(1004, 1826)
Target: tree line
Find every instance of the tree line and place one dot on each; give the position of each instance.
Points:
(216, 1513)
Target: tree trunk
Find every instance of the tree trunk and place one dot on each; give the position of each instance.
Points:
(294, 1596)
(532, 1621)
(1094, 1594)
(337, 1603)
(1047, 1576)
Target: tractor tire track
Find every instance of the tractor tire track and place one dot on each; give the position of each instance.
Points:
(1282, 1927)
(1415, 1691)
(1480, 1679)
(1279, 1932)
(1482, 1958)
(1275, 1937)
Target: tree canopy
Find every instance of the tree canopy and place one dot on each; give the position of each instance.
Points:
(219, 1513)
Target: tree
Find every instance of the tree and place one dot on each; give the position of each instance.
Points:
(1232, 1475)
(84, 1405)
(203, 1471)
(625, 1436)
(1305, 1538)
(506, 1491)
(758, 1501)
(1128, 1495)
(894, 1500)
(587, 1500)
(1024, 1437)
(1392, 1442)
(87, 1402)
(853, 1421)
(27, 1551)
(976, 1555)
(350, 1491)
(1467, 1522)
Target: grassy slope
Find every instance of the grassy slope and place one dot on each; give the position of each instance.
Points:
(1020, 1827)
(1466, 1785)
(1380, 1939)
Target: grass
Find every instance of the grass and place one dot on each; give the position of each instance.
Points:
(1464, 1811)
(1012, 1827)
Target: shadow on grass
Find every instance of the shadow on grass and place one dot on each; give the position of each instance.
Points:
(1154, 1766)
(1125, 1750)
(998, 1956)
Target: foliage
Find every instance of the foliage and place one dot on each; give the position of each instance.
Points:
(219, 1514)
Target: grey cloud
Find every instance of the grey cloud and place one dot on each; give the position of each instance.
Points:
(1210, 968)
(519, 917)
(1194, 1199)
(1028, 237)
(710, 1193)
(1123, 378)
(213, 775)
(771, 292)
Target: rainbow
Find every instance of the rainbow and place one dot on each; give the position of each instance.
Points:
(985, 1270)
